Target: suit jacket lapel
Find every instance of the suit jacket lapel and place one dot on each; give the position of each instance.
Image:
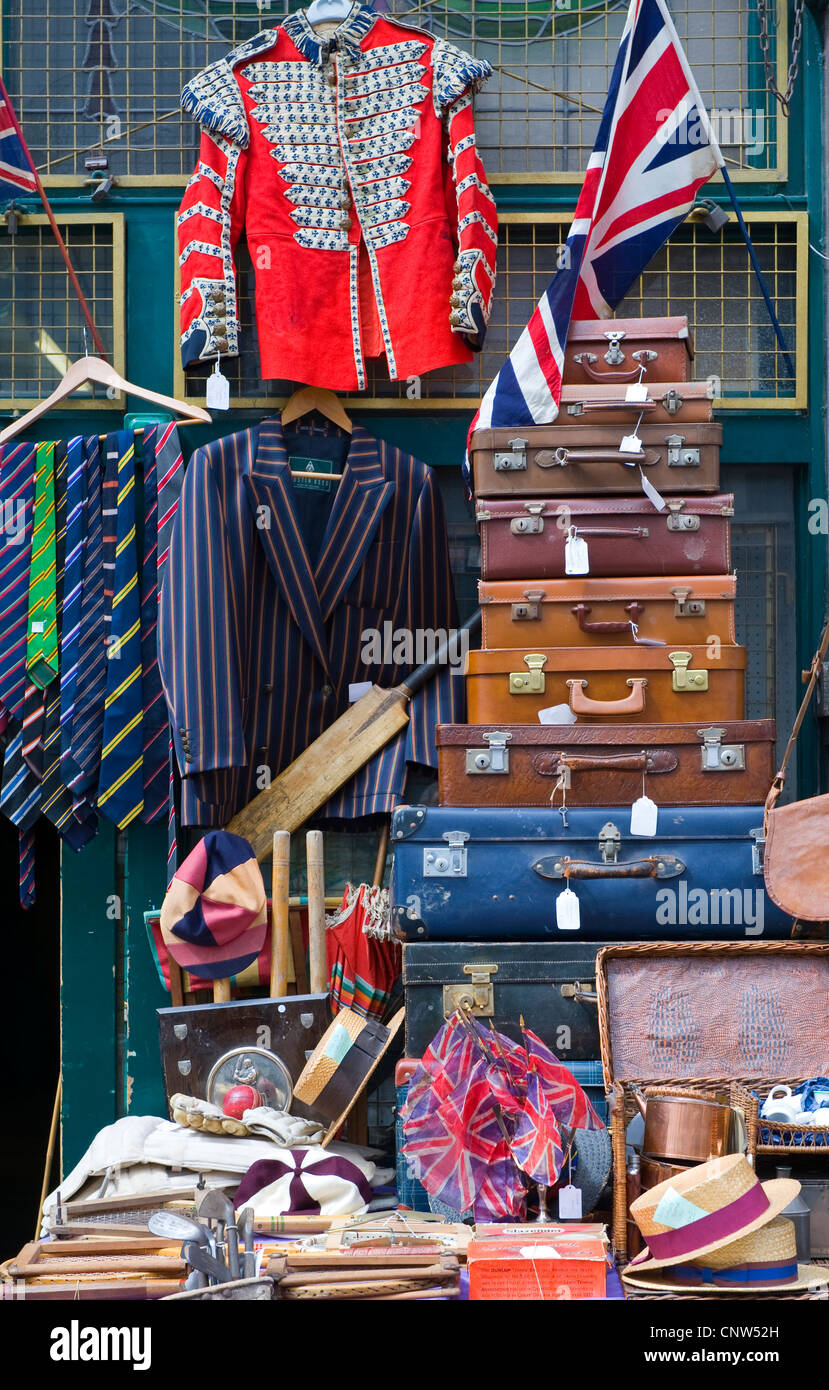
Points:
(362, 497)
(269, 489)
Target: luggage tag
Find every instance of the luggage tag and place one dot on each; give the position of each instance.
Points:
(569, 1196)
(568, 914)
(645, 641)
(631, 443)
(218, 389)
(651, 493)
(643, 814)
(637, 392)
(576, 557)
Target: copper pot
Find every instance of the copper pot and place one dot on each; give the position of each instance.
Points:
(655, 1170)
(690, 1129)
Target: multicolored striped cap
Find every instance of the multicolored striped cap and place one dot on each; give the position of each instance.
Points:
(215, 915)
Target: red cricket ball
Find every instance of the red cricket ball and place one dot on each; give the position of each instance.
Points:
(239, 1099)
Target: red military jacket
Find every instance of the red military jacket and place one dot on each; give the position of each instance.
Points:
(351, 164)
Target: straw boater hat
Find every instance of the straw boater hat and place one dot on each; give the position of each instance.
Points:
(763, 1262)
(704, 1208)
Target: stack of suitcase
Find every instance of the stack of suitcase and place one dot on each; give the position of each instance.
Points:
(607, 598)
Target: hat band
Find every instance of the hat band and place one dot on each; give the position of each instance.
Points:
(717, 1226)
(742, 1276)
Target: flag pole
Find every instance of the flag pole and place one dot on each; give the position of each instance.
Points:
(778, 332)
(55, 228)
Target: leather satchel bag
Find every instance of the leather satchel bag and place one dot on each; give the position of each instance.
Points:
(795, 862)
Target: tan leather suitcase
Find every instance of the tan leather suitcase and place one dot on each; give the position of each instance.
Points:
(657, 685)
(524, 538)
(586, 612)
(727, 764)
(666, 402)
(602, 351)
(568, 459)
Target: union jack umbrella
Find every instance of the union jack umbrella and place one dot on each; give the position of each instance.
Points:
(654, 150)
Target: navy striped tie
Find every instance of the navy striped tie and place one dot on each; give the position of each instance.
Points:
(72, 598)
(17, 500)
(156, 735)
(20, 801)
(81, 740)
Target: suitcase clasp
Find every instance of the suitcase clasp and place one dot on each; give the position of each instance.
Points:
(718, 756)
(512, 462)
(531, 610)
(447, 863)
(679, 520)
(588, 357)
(477, 997)
(683, 679)
(672, 402)
(532, 681)
(678, 457)
(530, 525)
(614, 354)
(610, 841)
(687, 607)
(494, 758)
(757, 849)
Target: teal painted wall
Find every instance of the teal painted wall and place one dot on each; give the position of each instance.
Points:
(110, 989)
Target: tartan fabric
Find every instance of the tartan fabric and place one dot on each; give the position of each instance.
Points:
(17, 491)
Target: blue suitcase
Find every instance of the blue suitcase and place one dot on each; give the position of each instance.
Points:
(493, 874)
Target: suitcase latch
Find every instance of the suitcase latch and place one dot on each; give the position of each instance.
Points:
(757, 849)
(512, 461)
(718, 756)
(610, 841)
(588, 357)
(687, 607)
(578, 992)
(530, 525)
(683, 679)
(531, 681)
(449, 862)
(644, 355)
(476, 997)
(614, 355)
(530, 610)
(679, 520)
(494, 758)
(672, 402)
(678, 457)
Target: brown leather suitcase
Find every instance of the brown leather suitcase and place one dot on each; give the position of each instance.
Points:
(524, 539)
(588, 612)
(666, 402)
(547, 460)
(660, 685)
(615, 350)
(727, 764)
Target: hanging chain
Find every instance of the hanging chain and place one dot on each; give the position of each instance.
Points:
(797, 39)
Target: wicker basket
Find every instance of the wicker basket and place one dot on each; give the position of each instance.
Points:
(707, 1018)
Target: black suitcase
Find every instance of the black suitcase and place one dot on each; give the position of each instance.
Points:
(550, 985)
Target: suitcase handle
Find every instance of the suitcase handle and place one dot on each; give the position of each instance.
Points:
(655, 866)
(581, 611)
(560, 457)
(633, 703)
(635, 407)
(649, 760)
(586, 359)
(638, 533)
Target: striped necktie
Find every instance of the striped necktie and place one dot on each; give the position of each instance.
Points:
(82, 729)
(120, 785)
(156, 737)
(42, 638)
(72, 597)
(17, 498)
(20, 801)
(169, 480)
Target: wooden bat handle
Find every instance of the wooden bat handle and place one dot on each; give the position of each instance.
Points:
(221, 991)
(317, 958)
(280, 926)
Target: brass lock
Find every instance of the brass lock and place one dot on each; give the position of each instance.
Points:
(532, 681)
(683, 679)
(685, 606)
(477, 997)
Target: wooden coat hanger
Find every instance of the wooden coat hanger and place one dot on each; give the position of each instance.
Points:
(309, 398)
(96, 369)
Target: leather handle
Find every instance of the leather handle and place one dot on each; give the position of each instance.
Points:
(633, 703)
(632, 375)
(633, 406)
(560, 457)
(652, 760)
(637, 868)
(581, 611)
(636, 533)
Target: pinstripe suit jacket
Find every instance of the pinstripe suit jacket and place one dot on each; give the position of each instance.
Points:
(259, 641)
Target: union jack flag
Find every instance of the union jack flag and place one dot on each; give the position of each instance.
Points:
(17, 175)
(654, 149)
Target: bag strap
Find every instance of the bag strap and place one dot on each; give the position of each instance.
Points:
(812, 676)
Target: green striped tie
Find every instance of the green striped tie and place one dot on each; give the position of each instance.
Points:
(42, 630)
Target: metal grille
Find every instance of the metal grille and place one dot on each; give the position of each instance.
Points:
(706, 276)
(41, 324)
(109, 72)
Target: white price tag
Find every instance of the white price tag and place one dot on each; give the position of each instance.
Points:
(637, 393)
(38, 627)
(569, 1203)
(568, 916)
(645, 641)
(643, 816)
(631, 444)
(651, 493)
(218, 390)
(556, 714)
(357, 689)
(576, 557)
